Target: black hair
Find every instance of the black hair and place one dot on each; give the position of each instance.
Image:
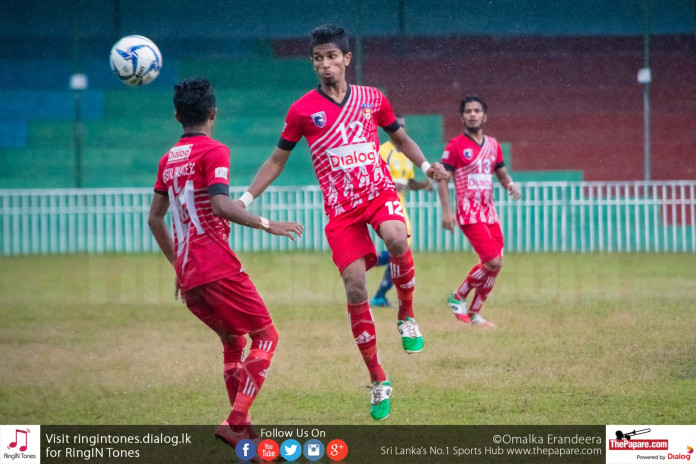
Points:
(473, 98)
(194, 99)
(329, 33)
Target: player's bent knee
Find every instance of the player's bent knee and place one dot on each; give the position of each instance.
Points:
(494, 265)
(265, 340)
(397, 247)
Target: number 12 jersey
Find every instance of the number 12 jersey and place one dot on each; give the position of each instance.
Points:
(344, 143)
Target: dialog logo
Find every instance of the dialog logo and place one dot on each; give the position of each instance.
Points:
(245, 450)
(20, 444)
(291, 450)
(313, 450)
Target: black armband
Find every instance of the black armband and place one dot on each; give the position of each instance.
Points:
(286, 144)
(393, 127)
(219, 189)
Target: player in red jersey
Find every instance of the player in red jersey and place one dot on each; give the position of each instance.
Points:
(192, 182)
(472, 158)
(340, 123)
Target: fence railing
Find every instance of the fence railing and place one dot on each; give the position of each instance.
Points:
(551, 216)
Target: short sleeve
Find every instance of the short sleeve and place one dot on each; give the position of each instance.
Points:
(160, 186)
(216, 166)
(292, 129)
(385, 114)
(499, 161)
(449, 156)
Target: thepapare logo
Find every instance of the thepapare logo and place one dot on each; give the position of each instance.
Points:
(179, 153)
(352, 156)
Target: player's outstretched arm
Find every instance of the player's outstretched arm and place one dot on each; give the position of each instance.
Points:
(224, 207)
(414, 184)
(507, 183)
(268, 172)
(158, 209)
(448, 219)
(408, 147)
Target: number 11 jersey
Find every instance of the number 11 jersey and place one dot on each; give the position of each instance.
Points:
(344, 143)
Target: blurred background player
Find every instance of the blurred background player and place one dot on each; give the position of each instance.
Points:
(401, 170)
(472, 158)
(340, 123)
(192, 181)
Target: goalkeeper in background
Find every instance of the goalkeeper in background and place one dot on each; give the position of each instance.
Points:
(401, 170)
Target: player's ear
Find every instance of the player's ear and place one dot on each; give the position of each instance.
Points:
(178, 118)
(213, 113)
(346, 58)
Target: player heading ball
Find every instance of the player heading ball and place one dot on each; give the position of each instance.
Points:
(339, 119)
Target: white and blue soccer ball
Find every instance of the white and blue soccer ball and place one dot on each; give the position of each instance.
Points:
(136, 60)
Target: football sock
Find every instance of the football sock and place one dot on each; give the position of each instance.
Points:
(253, 373)
(386, 284)
(404, 277)
(363, 327)
(233, 358)
(472, 281)
(483, 290)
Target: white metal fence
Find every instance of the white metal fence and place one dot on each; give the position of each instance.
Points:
(552, 216)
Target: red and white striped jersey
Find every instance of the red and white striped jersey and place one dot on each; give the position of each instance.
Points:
(203, 252)
(473, 166)
(344, 143)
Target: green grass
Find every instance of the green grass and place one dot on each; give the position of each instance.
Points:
(582, 339)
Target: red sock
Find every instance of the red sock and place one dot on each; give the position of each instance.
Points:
(472, 281)
(404, 278)
(483, 290)
(253, 373)
(363, 327)
(233, 357)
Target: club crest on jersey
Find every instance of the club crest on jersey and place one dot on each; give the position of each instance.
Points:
(319, 119)
(468, 153)
(366, 110)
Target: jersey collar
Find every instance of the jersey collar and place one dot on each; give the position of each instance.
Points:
(345, 99)
(479, 144)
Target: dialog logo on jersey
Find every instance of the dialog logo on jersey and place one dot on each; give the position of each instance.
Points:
(179, 153)
(319, 119)
(480, 182)
(352, 156)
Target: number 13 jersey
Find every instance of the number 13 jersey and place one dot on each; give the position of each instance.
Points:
(344, 143)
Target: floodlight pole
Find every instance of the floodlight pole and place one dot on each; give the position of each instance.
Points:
(358, 42)
(78, 83)
(645, 80)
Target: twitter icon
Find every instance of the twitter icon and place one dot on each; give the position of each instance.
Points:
(291, 449)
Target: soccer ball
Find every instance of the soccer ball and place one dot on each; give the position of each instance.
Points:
(136, 60)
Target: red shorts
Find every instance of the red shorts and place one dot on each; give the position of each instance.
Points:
(230, 305)
(348, 235)
(486, 239)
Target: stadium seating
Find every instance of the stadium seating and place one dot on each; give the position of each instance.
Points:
(568, 108)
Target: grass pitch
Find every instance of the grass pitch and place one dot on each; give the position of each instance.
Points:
(582, 339)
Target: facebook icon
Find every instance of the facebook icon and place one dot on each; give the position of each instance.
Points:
(245, 449)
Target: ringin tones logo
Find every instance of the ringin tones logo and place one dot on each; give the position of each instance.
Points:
(20, 444)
